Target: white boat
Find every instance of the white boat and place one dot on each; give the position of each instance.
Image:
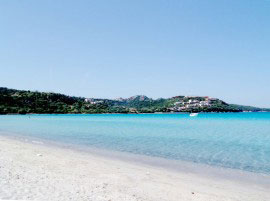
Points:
(193, 114)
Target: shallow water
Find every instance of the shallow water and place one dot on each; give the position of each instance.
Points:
(232, 140)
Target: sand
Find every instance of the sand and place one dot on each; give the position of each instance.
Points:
(32, 171)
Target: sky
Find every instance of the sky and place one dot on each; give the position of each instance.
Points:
(121, 48)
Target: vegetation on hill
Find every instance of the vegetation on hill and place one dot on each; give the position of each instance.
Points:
(250, 108)
(22, 102)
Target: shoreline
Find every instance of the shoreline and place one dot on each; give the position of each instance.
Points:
(155, 161)
(40, 172)
(263, 111)
(178, 166)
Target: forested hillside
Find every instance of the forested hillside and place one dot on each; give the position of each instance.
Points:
(22, 102)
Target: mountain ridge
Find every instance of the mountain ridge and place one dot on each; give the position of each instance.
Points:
(14, 101)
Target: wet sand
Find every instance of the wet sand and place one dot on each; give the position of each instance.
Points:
(32, 171)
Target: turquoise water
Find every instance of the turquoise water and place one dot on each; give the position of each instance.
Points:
(238, 141)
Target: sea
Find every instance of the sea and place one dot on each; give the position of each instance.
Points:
(238, 141)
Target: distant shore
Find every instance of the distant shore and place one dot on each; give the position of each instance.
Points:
(38, 172)
(14, 101)
(132, 113)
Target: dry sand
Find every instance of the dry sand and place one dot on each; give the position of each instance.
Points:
(36, 172)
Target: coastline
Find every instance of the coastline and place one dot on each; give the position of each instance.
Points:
(35, 171)
(132, 113)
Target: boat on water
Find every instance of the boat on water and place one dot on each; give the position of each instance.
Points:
(193, 114)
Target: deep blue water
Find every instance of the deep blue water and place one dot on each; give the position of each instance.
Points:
(238, 141)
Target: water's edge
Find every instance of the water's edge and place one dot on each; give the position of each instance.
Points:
(202, 170)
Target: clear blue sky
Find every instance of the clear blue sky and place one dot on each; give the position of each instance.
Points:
(159, 48)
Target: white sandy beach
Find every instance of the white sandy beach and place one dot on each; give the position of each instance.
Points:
(36, 172)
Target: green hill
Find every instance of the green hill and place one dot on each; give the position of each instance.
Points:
(22, 102)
